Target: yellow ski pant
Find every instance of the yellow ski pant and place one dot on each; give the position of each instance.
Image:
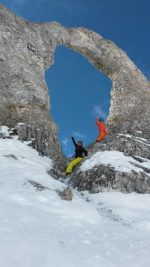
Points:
(72, 164)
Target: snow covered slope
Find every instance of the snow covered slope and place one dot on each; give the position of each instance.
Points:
(38, 229)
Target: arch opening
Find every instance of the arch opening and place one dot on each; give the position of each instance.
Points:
(79, 93)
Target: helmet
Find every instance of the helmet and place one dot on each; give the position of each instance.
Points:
(80, 142)
(100, 119)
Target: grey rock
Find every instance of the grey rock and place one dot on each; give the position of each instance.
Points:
(105, 178)
(38, 186)
(27, 50)
(11, 156)
(66, 194)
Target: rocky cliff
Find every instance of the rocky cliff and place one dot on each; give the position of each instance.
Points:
(27, 50)
(120, 163)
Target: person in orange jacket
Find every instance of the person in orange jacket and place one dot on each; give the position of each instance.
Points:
(102, 129)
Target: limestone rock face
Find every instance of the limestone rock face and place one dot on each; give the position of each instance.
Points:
(104, 177)
(27, 50)
(25, 54)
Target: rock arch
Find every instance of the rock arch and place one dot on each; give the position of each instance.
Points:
(27, 50)
(130, 94)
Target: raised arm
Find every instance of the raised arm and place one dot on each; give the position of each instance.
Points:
(97, 122)
(74, 142)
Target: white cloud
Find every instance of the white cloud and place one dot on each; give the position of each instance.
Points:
(67, 147)
(65, 141)
(79, 135)
(98, 111)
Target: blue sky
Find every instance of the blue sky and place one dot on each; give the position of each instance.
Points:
(78, 91)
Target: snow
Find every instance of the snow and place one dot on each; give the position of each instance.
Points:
(4, 130)
(38, 229)
(114, 159)
(137, 139)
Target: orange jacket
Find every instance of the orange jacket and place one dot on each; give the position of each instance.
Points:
(101, 125)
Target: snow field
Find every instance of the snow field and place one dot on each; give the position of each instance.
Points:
(38, 229)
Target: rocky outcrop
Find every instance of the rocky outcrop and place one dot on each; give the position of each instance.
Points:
(24, 99)
(27, 50)
(103, 176)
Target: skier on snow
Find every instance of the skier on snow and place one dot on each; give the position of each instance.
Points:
(79, 151)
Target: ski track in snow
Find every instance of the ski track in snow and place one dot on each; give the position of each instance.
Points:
(38, 229)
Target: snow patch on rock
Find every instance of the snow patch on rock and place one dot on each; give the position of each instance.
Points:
(115, 159)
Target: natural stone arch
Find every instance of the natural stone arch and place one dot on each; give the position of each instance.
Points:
(27, 50)
(130, 93)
